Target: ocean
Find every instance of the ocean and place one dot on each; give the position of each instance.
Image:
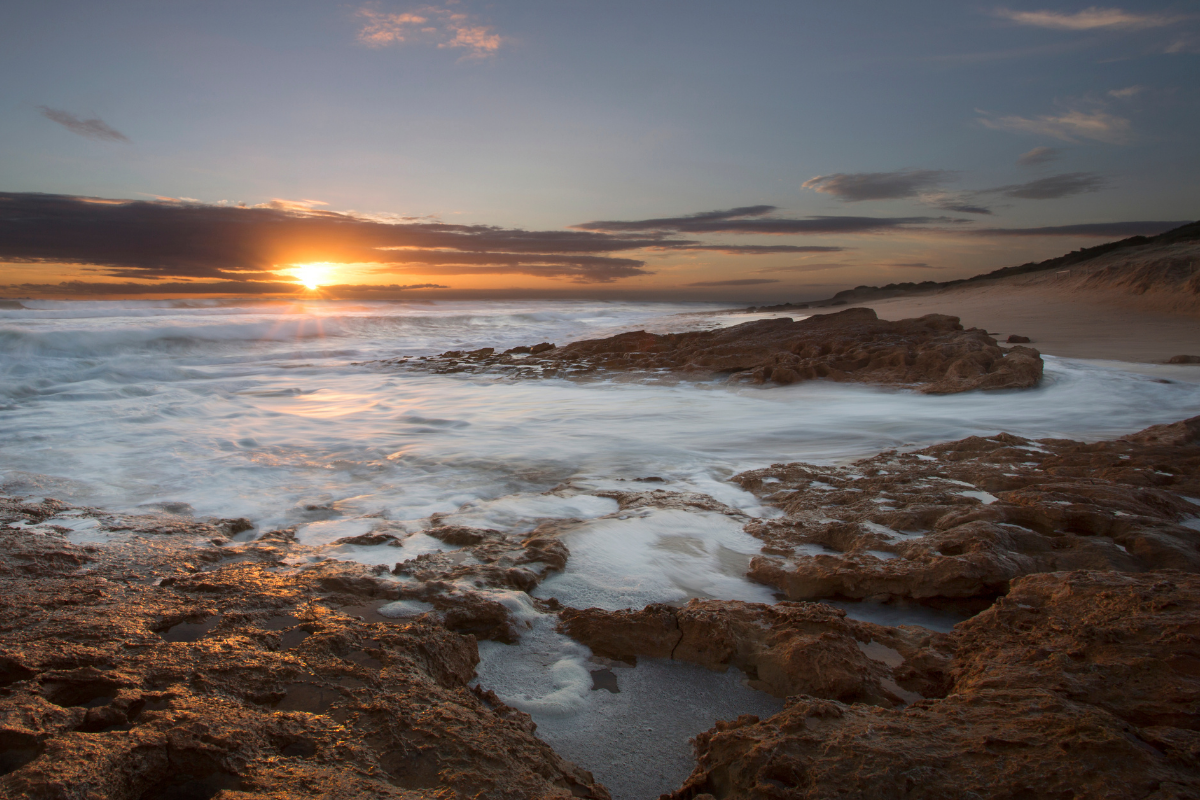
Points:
(274, 411)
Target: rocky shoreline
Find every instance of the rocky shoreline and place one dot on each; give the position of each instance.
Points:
(156, 656)
(933, 354)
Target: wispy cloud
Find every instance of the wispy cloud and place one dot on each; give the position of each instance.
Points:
(737, 282)
(857, 186)
(440, 25)
(815, 267)
(1098, 229)
(1089, 19)
(1070, 126)
(953, 201)
(922, 184)
(758, 249)
(1053, 187)
(1127, 92)
(1038, 156)
(94, 128)
(755, 219)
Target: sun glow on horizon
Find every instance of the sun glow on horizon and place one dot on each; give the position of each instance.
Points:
(313, 276)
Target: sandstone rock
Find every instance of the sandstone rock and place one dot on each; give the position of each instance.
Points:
(963, 519)
(1076, 685)
(272, 692)
(933, 354)
(785, 649)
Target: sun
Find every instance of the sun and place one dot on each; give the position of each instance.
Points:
(313, 276)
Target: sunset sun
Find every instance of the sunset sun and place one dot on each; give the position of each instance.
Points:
(313, 276)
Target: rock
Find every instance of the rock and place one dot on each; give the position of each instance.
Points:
(232, 527)
(1077, 684)
(785, 649)
(281, 695)
(370, 539)
(1015, 339)
(932, 354)
(1184, 360)
(961, 520)
(1175, 434)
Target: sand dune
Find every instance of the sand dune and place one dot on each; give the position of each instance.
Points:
(1138, 303)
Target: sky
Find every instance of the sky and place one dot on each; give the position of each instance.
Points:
(658, 149)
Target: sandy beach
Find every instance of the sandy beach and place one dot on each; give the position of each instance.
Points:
(1133, 306)
(1075, 325)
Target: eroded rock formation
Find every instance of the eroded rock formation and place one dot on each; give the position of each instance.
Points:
(170, 662)
(933, 354)
(785, 649)
(963, 519)
(1077, 684)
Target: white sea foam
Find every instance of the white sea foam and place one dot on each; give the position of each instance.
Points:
(656, 556)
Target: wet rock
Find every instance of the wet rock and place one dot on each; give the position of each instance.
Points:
(1077, 684)
(785, 649)
(1184, 360)
(370, 539)
(933, 354)
(964, 519)
(115, 687)
(1016, 339)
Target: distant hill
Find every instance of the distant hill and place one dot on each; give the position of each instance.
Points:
(1168, 262)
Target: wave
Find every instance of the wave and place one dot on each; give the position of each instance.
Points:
(173, 339)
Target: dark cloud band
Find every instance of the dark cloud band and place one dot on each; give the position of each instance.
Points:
(856, 186)
(736, 282)
(157, 240)
(725, 222)
(1099, 229)
(1053, 187)
(89, 128)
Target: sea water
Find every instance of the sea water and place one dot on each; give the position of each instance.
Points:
(273, 412)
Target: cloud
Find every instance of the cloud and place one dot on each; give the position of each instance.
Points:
(1054, 187)
(1037, 156)
(78, 288)
(441, 25)
(752, 219)
(737, 282)
(1069, 127)
(1089, 19)
(817, 267)
(155, 240)
(94, 128)
(1127, 92)
(856, 186)
(951, 201)
(710, 220)
(759, 249)
(1111, 230)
